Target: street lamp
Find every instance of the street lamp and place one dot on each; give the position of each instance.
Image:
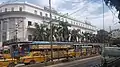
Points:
(104, 60)
(51, 30)
(1, 25)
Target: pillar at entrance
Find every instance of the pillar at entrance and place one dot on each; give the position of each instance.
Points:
(0, 44)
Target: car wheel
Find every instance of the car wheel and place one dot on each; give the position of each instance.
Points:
(32, 62)
(11, 65)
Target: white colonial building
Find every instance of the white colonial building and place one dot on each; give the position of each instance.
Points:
(25, 15)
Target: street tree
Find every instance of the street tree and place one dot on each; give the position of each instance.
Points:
(39, 32)
(64, 30)
(102, 36)
(75, 35)
(114, 3)
(86, 36)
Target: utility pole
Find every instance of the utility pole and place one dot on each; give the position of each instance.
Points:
(110, 28)
(51, 30)
(103, 52)
(17, 27)
(1, 31)
(16, 46)
(16, 33)
(17, 24)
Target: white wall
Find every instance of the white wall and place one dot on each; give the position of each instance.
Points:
(12, 27)
(9, 7)
(24, 32)
(32, 9)
(0, 44)
(34, 20)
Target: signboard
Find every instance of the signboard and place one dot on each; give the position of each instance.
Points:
(49, 46)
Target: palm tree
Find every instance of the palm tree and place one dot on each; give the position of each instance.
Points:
(115, 3)
(93, 38)
(39, 33)
(54, 32)
(63, 30)
(85, 37)
(48, 34)
(75, 35)
(79, 35)
(59, 33)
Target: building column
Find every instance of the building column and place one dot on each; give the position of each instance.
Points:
(23, 29)
(1, 31)
(25, 33)
(7, 31)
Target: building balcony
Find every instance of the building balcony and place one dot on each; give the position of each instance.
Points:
(31, 27)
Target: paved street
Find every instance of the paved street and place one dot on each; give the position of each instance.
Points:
(88, 62)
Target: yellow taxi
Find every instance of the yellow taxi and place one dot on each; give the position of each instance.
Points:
(7, 62)
(32, 58)
(72, 53)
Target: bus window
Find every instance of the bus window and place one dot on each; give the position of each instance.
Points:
(24, 50)
(36, 54)
(6, 51)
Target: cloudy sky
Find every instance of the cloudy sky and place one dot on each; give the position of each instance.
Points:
(84, 10)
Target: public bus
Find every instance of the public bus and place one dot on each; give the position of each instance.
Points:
(87, 48)
(10, 56)
(32, 52)
(40, 51)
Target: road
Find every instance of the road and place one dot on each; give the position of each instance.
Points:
(88, 62)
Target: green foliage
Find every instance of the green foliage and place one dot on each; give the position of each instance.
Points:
(62, 33)
(75, 34)
(43, 33)
(103, 36)
(6, 51)
(114, 3)
(39, 32)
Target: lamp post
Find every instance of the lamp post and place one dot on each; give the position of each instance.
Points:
(1, 23)
(104, 60)
(51, 30)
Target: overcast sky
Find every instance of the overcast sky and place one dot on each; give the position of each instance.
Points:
(90, 10)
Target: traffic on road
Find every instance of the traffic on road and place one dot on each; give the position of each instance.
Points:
(39, 52)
